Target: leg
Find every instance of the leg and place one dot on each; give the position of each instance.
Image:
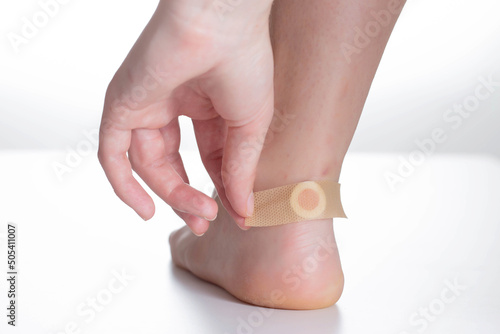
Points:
(319, 98)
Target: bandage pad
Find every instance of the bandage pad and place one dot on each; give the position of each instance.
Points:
(307, 200)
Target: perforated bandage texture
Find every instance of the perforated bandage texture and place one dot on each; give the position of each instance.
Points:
(303, 201)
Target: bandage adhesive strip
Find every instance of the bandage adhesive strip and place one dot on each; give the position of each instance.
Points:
(303, 201)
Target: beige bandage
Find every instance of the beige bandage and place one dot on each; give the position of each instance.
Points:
(307, 200)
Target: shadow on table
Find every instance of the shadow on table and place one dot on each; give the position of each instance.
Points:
(216, 311)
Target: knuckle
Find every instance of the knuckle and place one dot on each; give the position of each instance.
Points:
(171, 191)
(106, 126)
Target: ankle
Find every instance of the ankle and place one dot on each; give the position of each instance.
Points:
(297, 159)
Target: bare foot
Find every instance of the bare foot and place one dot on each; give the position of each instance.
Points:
(319, 95)
(293, 266)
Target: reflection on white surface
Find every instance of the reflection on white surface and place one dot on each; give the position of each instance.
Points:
(424, 258)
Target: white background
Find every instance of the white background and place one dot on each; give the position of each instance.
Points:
(399, 247)
(53, 88)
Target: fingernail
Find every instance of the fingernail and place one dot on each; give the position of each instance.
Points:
(250, 204)
(211, 220)
(244, 228)
(198, 235)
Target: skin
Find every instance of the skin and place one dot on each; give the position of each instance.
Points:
(212, 65)
(323, 94)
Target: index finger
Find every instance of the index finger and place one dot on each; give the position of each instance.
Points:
(113, 146)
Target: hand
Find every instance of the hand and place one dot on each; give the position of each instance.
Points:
(214, 67)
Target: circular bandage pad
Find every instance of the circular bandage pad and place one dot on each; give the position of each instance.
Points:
(307, 200)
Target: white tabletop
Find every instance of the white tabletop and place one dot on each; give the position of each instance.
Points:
(424, 258)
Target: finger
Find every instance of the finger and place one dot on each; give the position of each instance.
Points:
(150, 161)
(197, 225)
(171, 134)
(138, 92)
(210, 136)
(241, 155)
(113, 147)
(245, 99)
(240, 221)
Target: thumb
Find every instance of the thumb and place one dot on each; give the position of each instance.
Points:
(244, 98)
(242, 151)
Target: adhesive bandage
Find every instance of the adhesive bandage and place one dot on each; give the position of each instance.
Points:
(307, 200)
